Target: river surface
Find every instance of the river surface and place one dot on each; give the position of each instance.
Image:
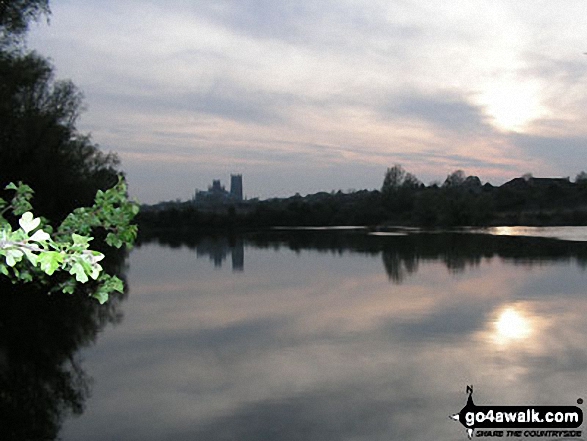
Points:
(335, 335)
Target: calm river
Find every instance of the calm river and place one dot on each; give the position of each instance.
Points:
(335, 335)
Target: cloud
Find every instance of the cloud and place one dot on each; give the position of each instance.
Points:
(340, 85)
(447, 111)
(554, 156)
(229, 102)
(330, 23)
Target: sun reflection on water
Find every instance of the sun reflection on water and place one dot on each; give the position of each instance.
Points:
(504, 231)
(511, 325)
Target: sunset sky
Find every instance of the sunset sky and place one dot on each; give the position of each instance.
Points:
(310, 95)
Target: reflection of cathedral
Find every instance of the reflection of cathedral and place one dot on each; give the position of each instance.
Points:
(219, 248)
(238, 256)
(217, 193)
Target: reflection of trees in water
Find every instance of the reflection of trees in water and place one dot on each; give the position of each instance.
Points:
(401, 255)
(398, 266)
(41, 377)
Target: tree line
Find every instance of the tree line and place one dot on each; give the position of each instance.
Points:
(41, 378)
(403, 199)
(39, 142)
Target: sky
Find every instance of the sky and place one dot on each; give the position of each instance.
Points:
(320, 95)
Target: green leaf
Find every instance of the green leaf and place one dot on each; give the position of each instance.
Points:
(81, 240)
(40, 236)
(69, 287)
(101, 296)
(26, 276)
(32, 257)
(113, 240)
(97, 256)
(67, 247)
(78, 270)
(28, 222)
(50, 261)
(13, 256)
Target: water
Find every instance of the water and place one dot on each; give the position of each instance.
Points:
(319, 335)
(578, 234)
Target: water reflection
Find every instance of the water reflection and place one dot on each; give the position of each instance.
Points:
(512, 324)
(42, 380)
(218, 248)
(400, 253)
(337, 337)
(565, 233)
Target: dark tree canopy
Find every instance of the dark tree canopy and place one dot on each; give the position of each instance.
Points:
(15, 16)
(39, 143)
(396, 177)
(393, 179)
(455, 179)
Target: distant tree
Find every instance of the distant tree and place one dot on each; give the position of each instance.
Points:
(455, 179)
(472, 183)
(581, 178)
(398, 191)
(411, 181)
(394, 178)
(527, 176)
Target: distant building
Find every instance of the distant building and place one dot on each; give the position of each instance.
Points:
(236, 187)
(530, 182)
(217, 193)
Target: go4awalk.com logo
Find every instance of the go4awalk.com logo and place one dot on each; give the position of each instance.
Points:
(520, 421)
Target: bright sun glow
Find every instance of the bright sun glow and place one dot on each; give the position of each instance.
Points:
(512, 325)
(512, 105)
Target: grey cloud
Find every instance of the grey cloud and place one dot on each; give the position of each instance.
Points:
(436, 156)
(566, 155)
(444, 110)
(305, 22)
(568, 71)
(229, 101)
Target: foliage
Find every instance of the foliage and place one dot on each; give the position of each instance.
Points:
(462, 201)
(455, 179)
(37, 127)
(40, 145)
(581, 178)
(411, 181)
(393, 179)
(15, 16)
(34, 250)
(38, 114)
